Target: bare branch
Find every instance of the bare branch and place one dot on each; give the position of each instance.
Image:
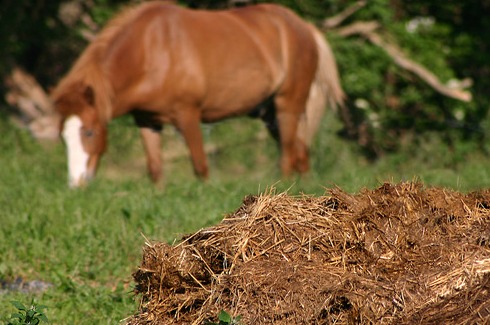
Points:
(336, 20)
(367, 30)
(362, 27)
(89, 33)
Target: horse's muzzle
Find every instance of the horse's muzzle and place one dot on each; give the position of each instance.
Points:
(81, 181)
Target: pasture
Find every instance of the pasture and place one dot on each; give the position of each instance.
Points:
(85, 243)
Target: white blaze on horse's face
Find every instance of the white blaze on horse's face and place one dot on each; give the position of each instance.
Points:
(77, 157)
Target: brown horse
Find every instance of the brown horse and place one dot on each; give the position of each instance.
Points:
(166, 64)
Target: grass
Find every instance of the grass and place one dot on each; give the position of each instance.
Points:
(87, 242)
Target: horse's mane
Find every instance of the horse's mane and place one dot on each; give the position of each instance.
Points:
(87, 70)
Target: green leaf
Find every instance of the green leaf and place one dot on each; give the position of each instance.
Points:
(224, 317)
(14, 322)
(43, 318)
(17, 315)
(41, 307)
(30, 313)
(18, 305)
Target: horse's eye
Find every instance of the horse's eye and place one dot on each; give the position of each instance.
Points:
(88, 133)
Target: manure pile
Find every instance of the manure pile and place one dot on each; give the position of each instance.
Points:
(398, 254)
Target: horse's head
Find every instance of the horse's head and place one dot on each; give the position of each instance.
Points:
(83, 132)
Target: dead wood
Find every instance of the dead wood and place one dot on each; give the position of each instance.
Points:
(336, 20)
(36, 111)
(368, 30)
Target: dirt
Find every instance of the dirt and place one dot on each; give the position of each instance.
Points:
(399, 254)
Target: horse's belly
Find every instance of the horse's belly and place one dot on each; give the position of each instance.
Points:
(217, 114)
(237, 95)
(231, 107)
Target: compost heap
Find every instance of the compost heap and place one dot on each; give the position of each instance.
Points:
(399, 254)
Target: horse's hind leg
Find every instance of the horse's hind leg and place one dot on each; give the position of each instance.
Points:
(302, 153)
(294, 153)
(288, 123)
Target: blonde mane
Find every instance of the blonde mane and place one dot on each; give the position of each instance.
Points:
(87, 69)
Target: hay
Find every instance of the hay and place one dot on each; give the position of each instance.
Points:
(399, 254)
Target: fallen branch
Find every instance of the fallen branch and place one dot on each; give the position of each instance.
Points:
(367, 30)
(25, 91)
(35, 107)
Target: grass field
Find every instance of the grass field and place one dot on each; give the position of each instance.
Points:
(86, 243)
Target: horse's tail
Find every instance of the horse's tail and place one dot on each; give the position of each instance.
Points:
(325, 90)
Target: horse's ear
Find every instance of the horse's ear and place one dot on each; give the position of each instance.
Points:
(89, 95)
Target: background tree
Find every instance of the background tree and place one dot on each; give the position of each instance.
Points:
(392, 107)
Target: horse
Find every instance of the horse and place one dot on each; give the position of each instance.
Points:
(166, 64)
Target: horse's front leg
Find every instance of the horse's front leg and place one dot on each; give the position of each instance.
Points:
(189, 124)
(152, 143)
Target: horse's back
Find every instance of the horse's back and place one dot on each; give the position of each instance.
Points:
(298, 46)
(225, 61)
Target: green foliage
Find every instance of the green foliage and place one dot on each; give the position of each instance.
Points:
(25, 31)
(102, 10)
(35, 36)
(28, 315)
(378, 10)
(392, 103)
(226, 319)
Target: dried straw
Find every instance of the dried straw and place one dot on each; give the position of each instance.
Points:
(398, 254)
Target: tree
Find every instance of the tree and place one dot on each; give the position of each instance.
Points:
(388, 72)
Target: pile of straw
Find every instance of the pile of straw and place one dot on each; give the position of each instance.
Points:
(399, 254)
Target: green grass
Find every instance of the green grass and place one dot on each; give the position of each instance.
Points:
(88, 242)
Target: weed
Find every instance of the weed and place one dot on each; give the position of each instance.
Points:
(226, 319)
(33, 315)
